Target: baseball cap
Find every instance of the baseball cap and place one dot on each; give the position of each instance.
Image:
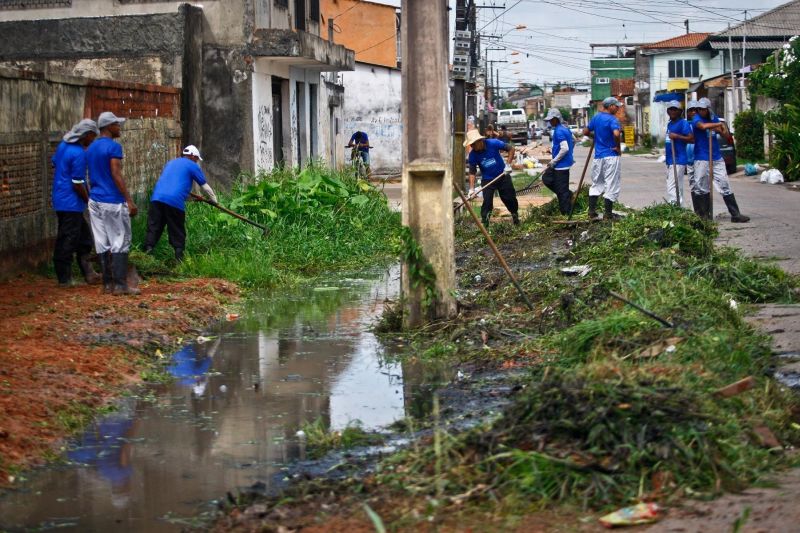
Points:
(673, 103)
(108, 118)
(80, 129)
(608, 102)
(702, 103)
(692, 104)
(192, 150)
(553, 113)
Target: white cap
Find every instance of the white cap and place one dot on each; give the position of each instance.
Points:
(192, 150)
(674, 103)
(553, 113)
(108, 118)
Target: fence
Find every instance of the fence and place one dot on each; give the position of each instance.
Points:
(35, 111)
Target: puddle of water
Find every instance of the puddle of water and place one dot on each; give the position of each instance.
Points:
(229, 419)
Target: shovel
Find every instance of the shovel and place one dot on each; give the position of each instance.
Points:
(231, 213)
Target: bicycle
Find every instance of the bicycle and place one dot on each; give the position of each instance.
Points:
(358, 164)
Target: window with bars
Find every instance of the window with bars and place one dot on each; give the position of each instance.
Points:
(313, 11)
(33, 4)
(684, 68)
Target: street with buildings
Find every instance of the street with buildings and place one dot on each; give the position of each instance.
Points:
(254, 275)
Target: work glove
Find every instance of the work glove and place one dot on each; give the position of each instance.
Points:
(507, 169)
(210, 193)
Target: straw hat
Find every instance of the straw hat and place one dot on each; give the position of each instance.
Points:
(472, 136)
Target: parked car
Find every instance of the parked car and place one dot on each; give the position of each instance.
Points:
(538, 133)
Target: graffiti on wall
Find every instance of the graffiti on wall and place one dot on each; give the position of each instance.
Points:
(264, 155)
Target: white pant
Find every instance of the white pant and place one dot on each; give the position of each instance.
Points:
(606, 173)
(699, 181)
(111, 225)
(671, 182)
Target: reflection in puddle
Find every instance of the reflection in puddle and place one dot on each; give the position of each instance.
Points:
(229, 418)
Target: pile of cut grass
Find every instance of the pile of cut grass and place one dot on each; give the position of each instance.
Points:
(605, 419)
(320, 221)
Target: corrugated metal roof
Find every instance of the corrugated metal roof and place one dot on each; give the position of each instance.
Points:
(782, 21)
(687, 40)
(751, 45)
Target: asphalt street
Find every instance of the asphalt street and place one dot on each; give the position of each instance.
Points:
(774, 210)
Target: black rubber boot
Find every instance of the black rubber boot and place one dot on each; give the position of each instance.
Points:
(706, 199)
(179, 254)
(697, 204)
(733, 209)
(609, 210)
(108, 276)
(593, 207)
(91, 277)
(120, 269)
(515, 218)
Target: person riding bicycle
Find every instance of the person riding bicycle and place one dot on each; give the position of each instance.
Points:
(360, 141)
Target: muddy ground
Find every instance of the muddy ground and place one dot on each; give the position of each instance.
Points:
(66, 352)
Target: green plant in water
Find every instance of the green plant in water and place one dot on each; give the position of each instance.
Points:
(320, 440)
(419, 270)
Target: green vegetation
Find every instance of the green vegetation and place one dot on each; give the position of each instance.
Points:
(319, 440)
(749, 126)
(616, 408)
(779, 78)
(320, 221)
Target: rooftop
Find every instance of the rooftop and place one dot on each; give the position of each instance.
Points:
(688, 40)
(783, 21)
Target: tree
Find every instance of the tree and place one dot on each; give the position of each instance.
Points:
(566, 113)
(779, 78)
(508, 105)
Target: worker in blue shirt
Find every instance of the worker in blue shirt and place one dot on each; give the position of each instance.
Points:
(679, 133)
(691, 111)
(485, 153)
(70, 197)
(606, 169)
(707, 124)
(556, 175)
(360, 141)
(110, 205)
(168, 202)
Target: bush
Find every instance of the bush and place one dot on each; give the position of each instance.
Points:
(784, 124)
(749, 126)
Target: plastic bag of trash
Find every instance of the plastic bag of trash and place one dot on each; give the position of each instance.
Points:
(771, 176)
(642, 513)
(662, 159)
(750, 169)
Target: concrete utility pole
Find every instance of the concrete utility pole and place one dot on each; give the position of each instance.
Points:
(733, 80)
(459, 106)
(427, 165)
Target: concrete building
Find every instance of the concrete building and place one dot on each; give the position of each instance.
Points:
(372, 90)
(253, 92)
(670, 66)
(605, 69)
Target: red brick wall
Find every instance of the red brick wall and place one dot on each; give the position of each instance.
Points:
(132, 100)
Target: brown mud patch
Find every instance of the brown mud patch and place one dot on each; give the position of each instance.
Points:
(64, 351)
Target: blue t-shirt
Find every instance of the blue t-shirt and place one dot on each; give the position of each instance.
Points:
(681, 127)
(69, 162)
(603, 126)
(360, 137)
(701, 139)
(99, 156)
(562, 133)
(175, 182)
(491, 162)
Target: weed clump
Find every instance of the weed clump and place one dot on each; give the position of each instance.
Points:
(319, 440)
(320, 221)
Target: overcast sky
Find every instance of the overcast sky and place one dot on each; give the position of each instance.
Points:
(559, 31)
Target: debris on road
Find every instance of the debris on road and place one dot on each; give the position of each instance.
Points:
(642, 513)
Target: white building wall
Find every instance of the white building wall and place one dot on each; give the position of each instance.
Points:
(372, 105)
(659, 79)
(264, 158)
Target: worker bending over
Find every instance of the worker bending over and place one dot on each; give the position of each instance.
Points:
(485, 153)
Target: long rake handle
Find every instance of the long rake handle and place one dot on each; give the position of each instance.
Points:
(710, 175)
(675, 172)
(580, 183)
(477, 192)
(229, 212)
(497, 253)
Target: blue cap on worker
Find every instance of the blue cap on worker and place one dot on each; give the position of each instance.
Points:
(608, 102)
